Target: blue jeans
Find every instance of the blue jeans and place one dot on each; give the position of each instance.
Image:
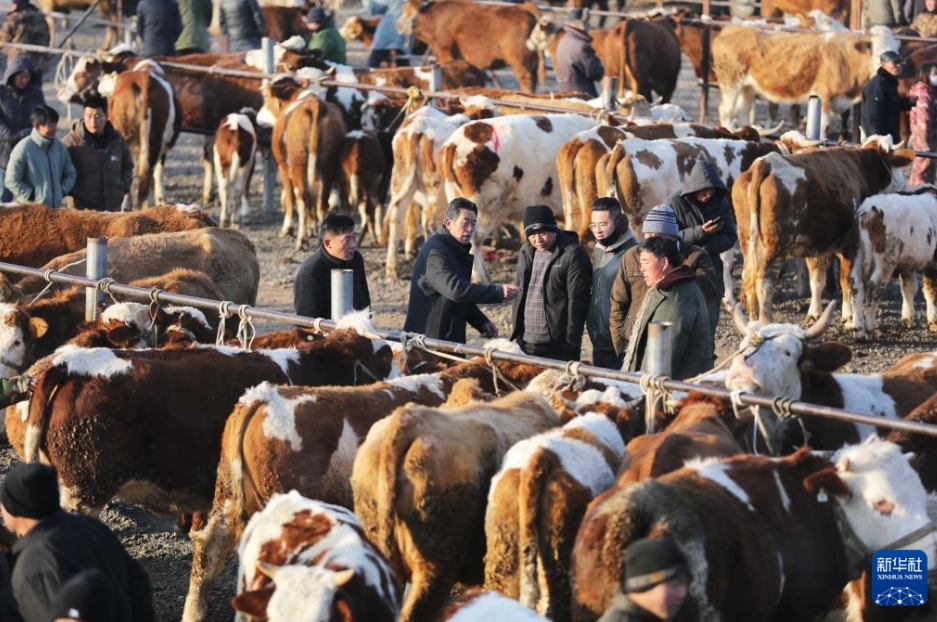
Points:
(5, 195)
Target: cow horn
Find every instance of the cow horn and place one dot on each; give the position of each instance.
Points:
(773, 130)
(741, 322)
(344, 576)
(899, 146)
(268, 570)
(819, 327)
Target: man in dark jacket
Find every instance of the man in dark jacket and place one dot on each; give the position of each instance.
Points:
(881, 104)
(20, 93)
(578, 67)
(554, 277)
(325, 37)
(629, 288)
(312, 289)
(54, 546)
(442, 295)
(705, 219)
(26, 24)
(103, 163)
(613, 237)
(242, 22)
(158, 26)
(195, 16)
(657, 578)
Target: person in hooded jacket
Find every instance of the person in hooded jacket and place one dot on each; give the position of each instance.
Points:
(20, 93)
(242, 22)
(705, 219)
(554, 279)
(26, 24)
(613, 236)
(325, 37)
(578, 67)
(672, 296)
(158, 26)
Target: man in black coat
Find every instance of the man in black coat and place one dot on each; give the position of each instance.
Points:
(881, 104)
(54, 546)
(578, 67)
(554, 277)
(657, 578)
(705, 218)
(312, 289)
(442, 295)
(158, 26)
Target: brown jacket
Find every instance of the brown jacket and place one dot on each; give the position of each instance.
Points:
(104, 175)
(629, 289)
(26, 25)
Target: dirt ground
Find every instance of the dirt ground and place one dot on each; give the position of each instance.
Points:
(167, 555)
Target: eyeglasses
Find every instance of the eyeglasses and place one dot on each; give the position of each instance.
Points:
(600, 225)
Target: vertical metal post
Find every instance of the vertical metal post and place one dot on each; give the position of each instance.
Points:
(435, 86)
(95, 268)
(270, 168)
(813, 118)
(855, 23)
(343, 289)
(609, 87)
(705, 64)
(659, 360)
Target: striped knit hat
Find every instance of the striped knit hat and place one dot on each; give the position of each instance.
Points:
(661, 220)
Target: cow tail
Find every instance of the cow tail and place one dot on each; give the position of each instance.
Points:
(625, 75)
(40, 412)
(394, 455)
(530, 541)
(753, 255)
(447, 172)
(240, 473)
(318, 112)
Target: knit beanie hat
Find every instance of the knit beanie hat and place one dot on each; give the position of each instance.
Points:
(317, 15)
(539, 218)
(662, 221)
(652, 561)
(88, 596)
(31, 491)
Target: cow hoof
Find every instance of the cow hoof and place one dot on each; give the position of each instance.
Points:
(808, 321)
(285, 232)
(932, 327)
(907, 323)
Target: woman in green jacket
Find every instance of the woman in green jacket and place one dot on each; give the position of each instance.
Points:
(325, 37)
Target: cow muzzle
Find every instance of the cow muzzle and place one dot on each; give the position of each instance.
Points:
(740, 376)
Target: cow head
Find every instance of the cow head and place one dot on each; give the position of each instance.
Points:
(542, 32)
(18, 334)
(772, 357)
(880, 497)
(352, 29)
(86, 76)
(411, 10)
(301, 593)
(277, 96)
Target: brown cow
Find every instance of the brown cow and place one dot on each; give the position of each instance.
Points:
(837, 9)
(485, 36)
(235, 146)
(649, 56)
(283, 22)
(420, 483)
(31, 235)
(107, 8)
(690, 32)
(360, 28)
(107, 422)
(362, 168)
(320, 430)
(535, 504)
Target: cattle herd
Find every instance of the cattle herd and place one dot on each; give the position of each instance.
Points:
(357, 479)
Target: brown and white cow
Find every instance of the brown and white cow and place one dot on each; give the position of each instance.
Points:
(31, 235)
(146, 424)
(837, 9)
(420, 483)
(802, 205)
(535, 504)
(360, 28)
(304, 439)
(777, 360)
(761, 534)
(306, 560)
(234, 148)
(485, 36)
(480, 606)
(897, 233)
(787, 68)
(362, 168)
(505, 164)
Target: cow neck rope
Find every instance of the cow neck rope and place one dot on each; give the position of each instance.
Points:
(496, 373)
(246, 331)
(47, 275)
(657, 397)
(223, 314)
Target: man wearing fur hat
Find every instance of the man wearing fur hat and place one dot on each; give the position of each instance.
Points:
(578, 67)
(55, 545)
(657, 578)
(554, 277)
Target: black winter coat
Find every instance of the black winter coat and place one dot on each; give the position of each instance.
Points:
(442, 295)
(882, 105)
(578, 67)
(61, 546)
(567, 289)
(158, 26)
(312, 289)
(623, 609)
(243, 22)
(691, 215)
(606, 262)
(15, 106)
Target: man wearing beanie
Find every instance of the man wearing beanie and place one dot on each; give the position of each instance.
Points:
(578, 67)
(442, 295)
(554, 278)
(613, 237)
(656, 580)
(54, 546)
(86, 597)
(629, 288)
(325, 37)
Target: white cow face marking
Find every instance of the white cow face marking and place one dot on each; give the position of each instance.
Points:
(13, 343)
(305, 594)
(767, 363)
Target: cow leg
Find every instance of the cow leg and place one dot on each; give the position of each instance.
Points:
(845, 271)
(158, 186)
(395, 221)
(908, 281)
(287, 198)
(815, 266)
(728, 105)
(728, 262)
(429, 590)
(223, 194)
(930, 296)
(211, 546)
(207, 150)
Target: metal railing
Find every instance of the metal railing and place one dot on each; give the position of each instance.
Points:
(251, 312)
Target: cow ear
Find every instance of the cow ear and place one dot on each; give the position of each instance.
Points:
(828, 356)
(826, 481)
(344, 576)
(253, 603)
(121, 335)
(38, 327)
